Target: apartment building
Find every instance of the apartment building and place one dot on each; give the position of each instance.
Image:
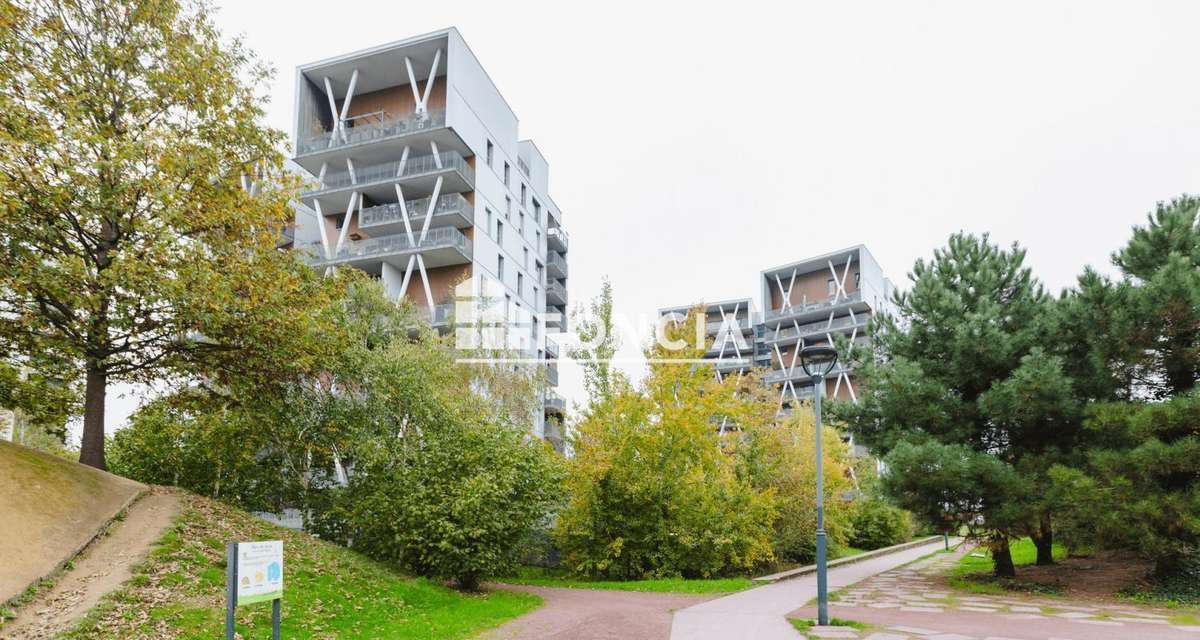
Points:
(800, 304)
(419, 178)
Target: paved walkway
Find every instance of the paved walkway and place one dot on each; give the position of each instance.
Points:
(913, 603)
(760, 613)
(590, 614)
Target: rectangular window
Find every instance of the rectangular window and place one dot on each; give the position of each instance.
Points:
(830, 286)
(520, 284)
(525, 254)
(491, 152)
(535, 295)
(521, 222)
(500, 268)
(537, 239)
(538, 271)
(523, 189)
(489, 219)
(500, 233)
(506, 172)
(507, 207)
(537, 211)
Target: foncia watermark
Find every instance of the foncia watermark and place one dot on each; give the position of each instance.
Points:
(490, 326)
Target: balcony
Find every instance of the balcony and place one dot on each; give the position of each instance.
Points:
(556, 294)
(777, 376)
(810, 308)
(712, 328)
(822, 327)
(556, 265)
(730, 349)
(419, 175)
(556, 239)
(441, 315)
(555, 403)
(552, 375)
(372, 128)
(441, 247)
(551, 349)
(451, 210)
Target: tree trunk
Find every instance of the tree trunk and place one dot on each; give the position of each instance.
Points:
(91, 449)
(1002, 562)
(1044, 541)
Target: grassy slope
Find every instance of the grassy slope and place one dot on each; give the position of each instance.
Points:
(329, 591)
(51, 507)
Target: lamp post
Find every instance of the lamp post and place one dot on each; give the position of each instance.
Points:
(817, 361)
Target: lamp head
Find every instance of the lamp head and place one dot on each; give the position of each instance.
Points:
(818, 360)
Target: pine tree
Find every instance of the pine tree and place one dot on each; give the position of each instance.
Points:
(964, 380)
(1161, 265)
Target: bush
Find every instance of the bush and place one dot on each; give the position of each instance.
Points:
(878, 524)
(653, 492)
(454, 502)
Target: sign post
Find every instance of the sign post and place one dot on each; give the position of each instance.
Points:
(254, 573)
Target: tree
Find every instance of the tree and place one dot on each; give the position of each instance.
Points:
(1161, 265)
(781, 457)
(653, 490)
(964, 381)
(1140, 486)
(140, 200)
(598, 344)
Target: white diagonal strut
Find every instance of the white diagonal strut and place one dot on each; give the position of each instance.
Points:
(424, 104)
(346, 105)
(346, 222)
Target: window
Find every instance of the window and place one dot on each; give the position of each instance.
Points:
(491, 152)
(523, 190)
(507, 207)
(521, 222)
(520, 284)
(489, 219)
(525, 253)
(535, 295)
(500, 233)
(506, 172)
(538, 271)
(537, 211)
(537, 239)
(830, 286)
(500, 267)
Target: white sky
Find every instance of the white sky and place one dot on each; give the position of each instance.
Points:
(692, 145)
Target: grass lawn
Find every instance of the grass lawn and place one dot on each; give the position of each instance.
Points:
(329, 591)
(974, 573)
(540, 577)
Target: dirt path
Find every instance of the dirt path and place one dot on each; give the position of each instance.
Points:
(589, 614)
(102, 567)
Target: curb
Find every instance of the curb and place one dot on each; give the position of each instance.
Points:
(812, 568)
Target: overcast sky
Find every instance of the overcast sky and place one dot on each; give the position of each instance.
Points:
(692, 145)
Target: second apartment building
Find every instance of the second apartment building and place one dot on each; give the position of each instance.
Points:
(801, 303)
(421, 180)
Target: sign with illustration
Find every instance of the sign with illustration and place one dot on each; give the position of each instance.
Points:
(259, 571)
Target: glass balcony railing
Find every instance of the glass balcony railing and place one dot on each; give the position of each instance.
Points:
(779, 375)
(397, 243)
(555, 401)
(556, 234)
(413, 167)
(556, 262)
(813, 328)
(556, 293)
(552, 375)
(390, 213)
(805, 307)
(363, 131)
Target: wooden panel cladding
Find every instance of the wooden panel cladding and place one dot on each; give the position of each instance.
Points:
(442, 281)
(396, 101)
(812, 286)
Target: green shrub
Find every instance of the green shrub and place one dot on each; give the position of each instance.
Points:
(878, 524)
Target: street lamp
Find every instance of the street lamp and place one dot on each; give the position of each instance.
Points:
(819, 360)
